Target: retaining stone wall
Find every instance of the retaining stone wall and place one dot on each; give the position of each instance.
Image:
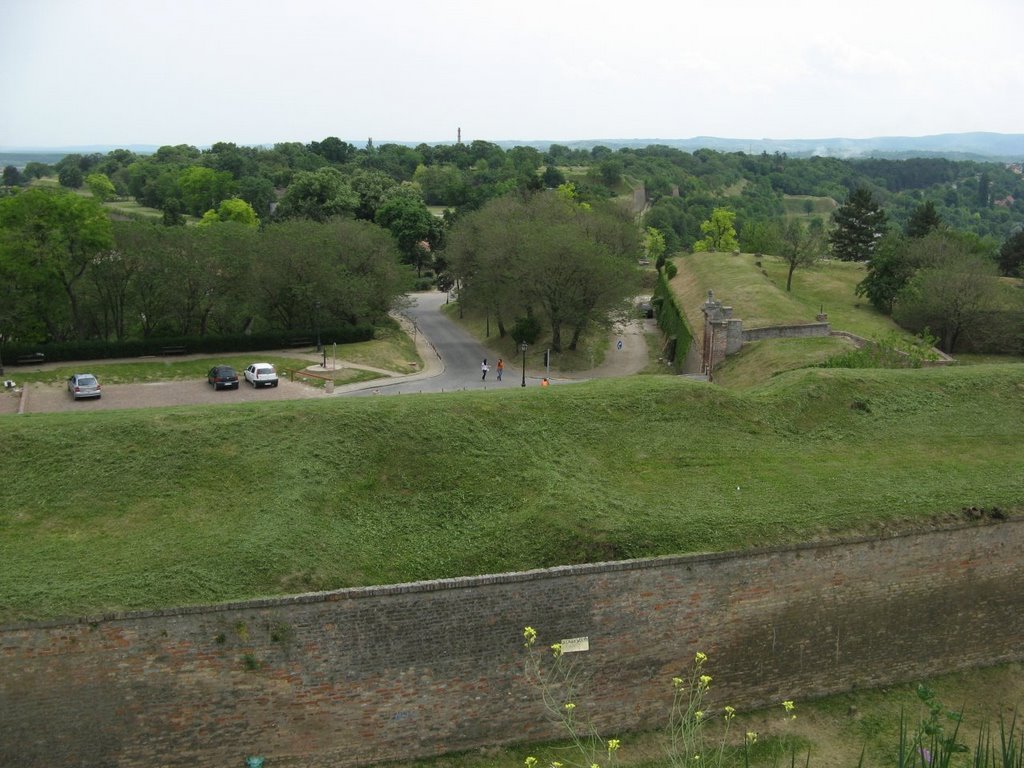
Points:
(364, 675)
(804, 331)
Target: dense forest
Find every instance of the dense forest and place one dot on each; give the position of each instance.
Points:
(246, 197)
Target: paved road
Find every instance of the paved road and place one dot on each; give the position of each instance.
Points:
(453, 356)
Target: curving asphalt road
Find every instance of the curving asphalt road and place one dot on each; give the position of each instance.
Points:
(452, 356)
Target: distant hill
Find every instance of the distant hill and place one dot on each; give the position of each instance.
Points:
(954, 146)
(982, 146)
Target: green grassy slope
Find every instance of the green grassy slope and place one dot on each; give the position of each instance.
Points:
(134, 509)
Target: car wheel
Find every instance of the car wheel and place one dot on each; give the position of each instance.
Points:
(274, 384)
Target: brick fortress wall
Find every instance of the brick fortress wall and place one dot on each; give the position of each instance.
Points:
(363, 675)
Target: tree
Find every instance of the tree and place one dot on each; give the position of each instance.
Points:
(37, 170)
(371, 187)
(799, 247)
(12, 176)
(48, 241)
(1011, 255)
(719, 232)
(100, 186)
(761, 237)
(923, 220)
(552, 177)
(70, 176)
(888, 271)
(404, 214)
(233, 209)
(859, 224)
(318, 195)
(203, 188)
(654, 246)
(951, 293)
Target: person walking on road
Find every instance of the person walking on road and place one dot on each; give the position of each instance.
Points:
(484, 368)
(501, 367)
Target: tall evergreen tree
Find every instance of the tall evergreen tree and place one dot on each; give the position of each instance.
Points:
(859, 224)
(923, 220)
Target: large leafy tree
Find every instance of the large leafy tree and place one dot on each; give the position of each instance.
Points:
(888, 271)
(951, 293)
(318, 195)
(343, 271)
(203, 188)
(233, 209)
(719, 232)
(858, 225)
(100, 185)
(404, 214)
(546, 256)
(48, 241)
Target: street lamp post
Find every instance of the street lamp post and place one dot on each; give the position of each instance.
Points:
(522, 348)
(316, 322)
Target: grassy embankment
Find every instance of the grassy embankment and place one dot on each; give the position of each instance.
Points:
(136, 509)
(755, 287)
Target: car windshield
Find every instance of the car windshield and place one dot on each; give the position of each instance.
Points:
(225, 373)
(86, 381)
(264, 371)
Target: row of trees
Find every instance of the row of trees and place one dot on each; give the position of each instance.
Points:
(682, 187)
(68, 272)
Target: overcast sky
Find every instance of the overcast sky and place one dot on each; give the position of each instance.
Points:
(120, 72)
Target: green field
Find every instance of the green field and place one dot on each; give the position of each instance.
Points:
(136, 509)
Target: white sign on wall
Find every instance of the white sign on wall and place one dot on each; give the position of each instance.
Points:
(575, 644)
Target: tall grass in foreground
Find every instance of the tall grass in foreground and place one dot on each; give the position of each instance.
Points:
(694, 736)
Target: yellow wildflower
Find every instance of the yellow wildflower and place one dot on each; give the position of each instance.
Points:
(730, 713)
(789, 706)
(530, 761)
(570, 706)
(613, 744)
(700, 658)
(530, 634)
(556, 649)
(677, 682)
(705, 681)
(751, 737)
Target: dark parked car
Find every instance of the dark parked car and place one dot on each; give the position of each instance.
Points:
(223, 377)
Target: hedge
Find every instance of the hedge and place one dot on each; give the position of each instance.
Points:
(671, 321)
(103, 350)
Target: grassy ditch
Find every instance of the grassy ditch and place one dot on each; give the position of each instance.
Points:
(136, 509)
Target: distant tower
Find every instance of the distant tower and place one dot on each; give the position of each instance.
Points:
(458, 139)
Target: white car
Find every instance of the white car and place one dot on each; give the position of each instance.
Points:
(261, 375)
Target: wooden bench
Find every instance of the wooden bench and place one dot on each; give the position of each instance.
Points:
(34, 357)
(172, 350)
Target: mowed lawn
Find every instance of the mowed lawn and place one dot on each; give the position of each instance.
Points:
(141, 509)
